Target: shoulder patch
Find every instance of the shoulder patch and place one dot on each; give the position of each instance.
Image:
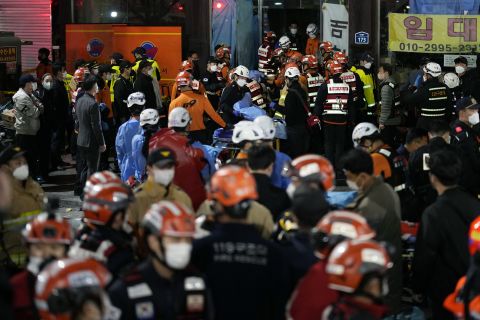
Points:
(392, 85)
(139, 291)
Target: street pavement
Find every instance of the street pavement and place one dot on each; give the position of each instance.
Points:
(60, 185)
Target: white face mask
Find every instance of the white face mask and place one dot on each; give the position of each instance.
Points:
(95, 71)
(177, 255)
(380, 76)
(459, 69)
(34, 86)
(312, 36)
(34, 264)
(241, 82)
(47, 85)
(474, 119)
(293, 30)
(291, 190)
(96, 89)
(21, 173)
(64, 74)
(214, 68)
(368, 65)
(150, 72)
(163, 176)
(109, 77)
(352, 185)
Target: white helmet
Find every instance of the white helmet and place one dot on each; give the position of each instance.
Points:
(178, 118)
(312, 28)
(433, 69)
(451, 80)
(149, 116)
(267, 125)
(246, 132)
(136, 98)
(284, 43)
(292, 72)
(242, 71)
(363, 130)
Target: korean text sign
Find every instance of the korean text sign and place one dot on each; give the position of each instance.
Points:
(434, 33)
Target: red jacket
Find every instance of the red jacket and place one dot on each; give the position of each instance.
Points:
(348, 308)
(312, 296)
(190, 162)
(23, 293)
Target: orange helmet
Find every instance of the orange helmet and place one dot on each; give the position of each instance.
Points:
(64, 283)
(48, 228)
(474, 236)
(326, 46)
(169, 218)
(455, 303)
(186, 65)
(310, 61)
(337, 226)
(340, 57)
(334, 67)
(222, 52)
(79, 75)
(104, 200)
(312, 167)
(184, 79)
(290, 65)
(102, 177)
(352, 260)
(295, 57)
(219, 53)
(232, 185)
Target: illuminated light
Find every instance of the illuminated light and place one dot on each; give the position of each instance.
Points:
(278, 3)
(114, 14)
(219, 5)
(180, 8)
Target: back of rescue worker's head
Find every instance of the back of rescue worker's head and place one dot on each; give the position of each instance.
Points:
(357, 161)
(445, 165)
(260, 157)
(309, 205)
(89, 82)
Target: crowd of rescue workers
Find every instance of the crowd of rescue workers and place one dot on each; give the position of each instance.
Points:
(316, 187)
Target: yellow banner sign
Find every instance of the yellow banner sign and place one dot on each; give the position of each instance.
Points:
(8, 54)
(433, 33)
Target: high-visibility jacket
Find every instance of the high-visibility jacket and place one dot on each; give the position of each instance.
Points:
(336, 104)
(369, 87)
(115, 77)
(314, 81)
(256, 92)
(264, 56)
(156, 68)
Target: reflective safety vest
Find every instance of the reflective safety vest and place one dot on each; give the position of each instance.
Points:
(264, 57)
(314, 81)
(115, 77)
(368, 89)
(256, 92)
(350, 79)
(12, 237)
(67, 81)
(436, 106)
(337, 99)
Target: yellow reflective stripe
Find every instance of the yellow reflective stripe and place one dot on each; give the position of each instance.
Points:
(23, 218)
(367, 86)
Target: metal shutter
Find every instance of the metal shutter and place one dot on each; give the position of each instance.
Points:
(31, 21)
